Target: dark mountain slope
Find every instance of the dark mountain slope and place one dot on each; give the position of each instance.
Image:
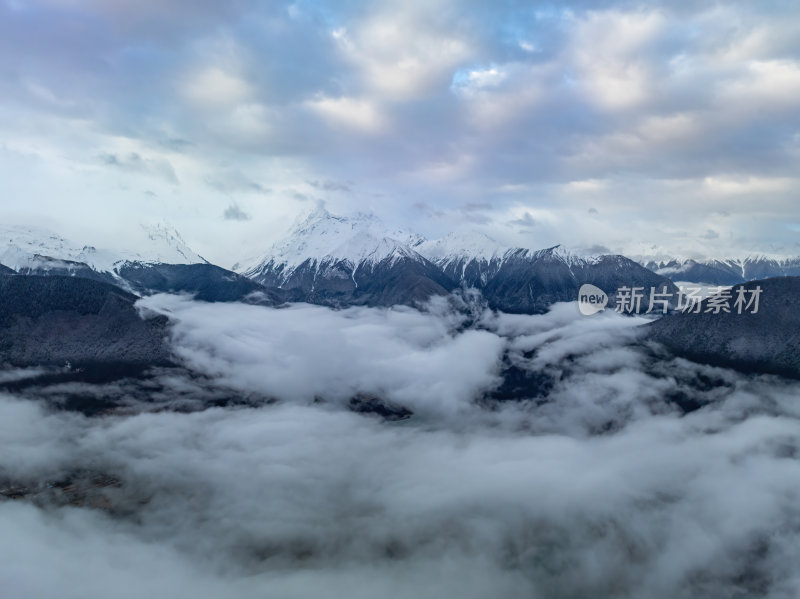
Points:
(54, 320)
(391, 281)
(767, 341)
(205, 281)
(531, 282)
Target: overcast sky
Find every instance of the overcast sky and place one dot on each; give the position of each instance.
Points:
(631, 126)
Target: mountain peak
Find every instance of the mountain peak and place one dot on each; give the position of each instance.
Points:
(325, 237)
(164, 245)
(25, 247)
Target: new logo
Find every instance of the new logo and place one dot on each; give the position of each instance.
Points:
(591, 299)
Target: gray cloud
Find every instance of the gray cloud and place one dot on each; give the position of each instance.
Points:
(134, 163)
(476, 207)
(234, 181)
(598, 250)
(525, 221)
(329, 185)
(234, 212)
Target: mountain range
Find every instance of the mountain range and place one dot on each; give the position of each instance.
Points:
(340, 261)
(724, 271)
(336, 260)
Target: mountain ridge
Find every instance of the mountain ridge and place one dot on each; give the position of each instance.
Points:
(724, 271)
(323, 259)
(23, 248)
(163, 263)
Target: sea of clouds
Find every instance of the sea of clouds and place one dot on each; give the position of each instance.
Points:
(598, 483)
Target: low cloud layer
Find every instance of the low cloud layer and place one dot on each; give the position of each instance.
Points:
(312, 352)
(598, 485)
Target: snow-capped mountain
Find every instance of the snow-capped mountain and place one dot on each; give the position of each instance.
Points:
(37, 250)
(459, 246)
(529, 280)
(163, 245)
(339, 260)
(463, 247)
(161, 262)
(326, 238)
(27, 249)
(727, 271)
(474, 259)
(470, 258)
